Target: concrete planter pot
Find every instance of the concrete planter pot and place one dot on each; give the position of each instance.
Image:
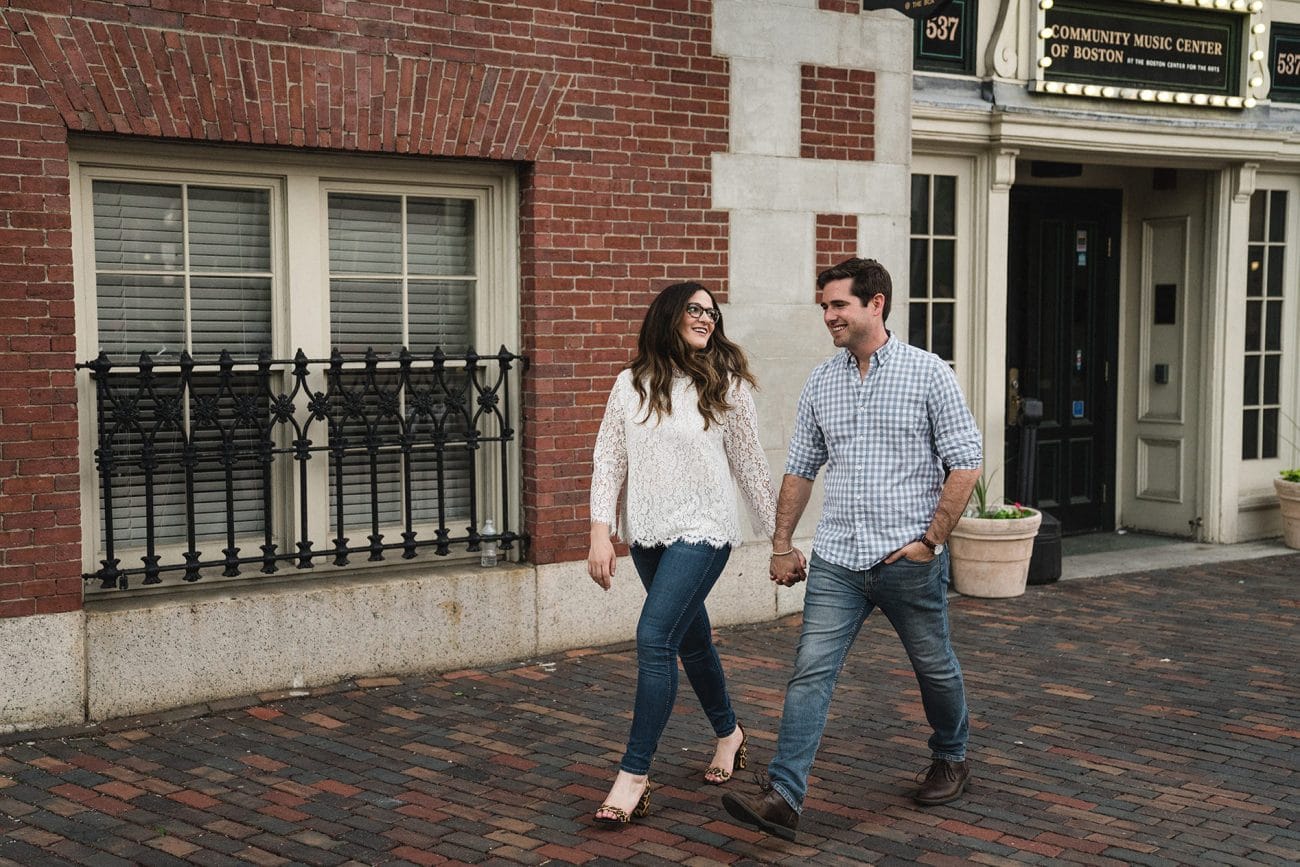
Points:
(990, 556)
(1288, 497)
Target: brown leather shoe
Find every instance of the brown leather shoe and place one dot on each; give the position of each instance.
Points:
(944, 782)
(771, 813)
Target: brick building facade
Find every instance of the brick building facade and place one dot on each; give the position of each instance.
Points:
(635, 144)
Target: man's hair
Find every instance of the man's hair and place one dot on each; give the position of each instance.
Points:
(869, 280)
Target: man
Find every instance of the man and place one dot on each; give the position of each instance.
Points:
(902, 454)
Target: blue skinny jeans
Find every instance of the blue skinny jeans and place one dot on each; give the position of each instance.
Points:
(677, 579)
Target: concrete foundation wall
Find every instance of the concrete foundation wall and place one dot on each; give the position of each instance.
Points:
(146, 655)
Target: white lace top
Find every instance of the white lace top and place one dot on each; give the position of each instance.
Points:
(679, 475)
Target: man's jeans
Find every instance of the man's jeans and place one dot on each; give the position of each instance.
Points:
(913, 596)
(677, 580)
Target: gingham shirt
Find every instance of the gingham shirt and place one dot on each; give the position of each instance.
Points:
(884, 440)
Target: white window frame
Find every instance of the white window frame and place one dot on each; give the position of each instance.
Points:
(1257, 474)
(299, 186)
(963, 169)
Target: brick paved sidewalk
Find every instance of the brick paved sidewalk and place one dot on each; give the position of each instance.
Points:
(1141, 719)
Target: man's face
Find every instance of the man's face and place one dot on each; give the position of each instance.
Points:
(850, 322)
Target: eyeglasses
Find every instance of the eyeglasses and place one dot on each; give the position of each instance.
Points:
(695, 311)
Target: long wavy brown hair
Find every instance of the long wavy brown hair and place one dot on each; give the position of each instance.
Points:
(662, 352)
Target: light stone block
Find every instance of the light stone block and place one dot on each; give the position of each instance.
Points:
(191, 648)
(573, 611)
(765, 99)
(772, 259)
(747, 182)
(42, 682)
(802, 34)
(876, 40)
(893, 139)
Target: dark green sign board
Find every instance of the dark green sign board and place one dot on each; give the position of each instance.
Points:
(1144, 45)
(1284, 63)
(945, 42)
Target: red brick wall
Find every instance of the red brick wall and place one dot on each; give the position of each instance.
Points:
(837, 239)
(837, 107)
(40, 553)
(611, 109)
(853, 7)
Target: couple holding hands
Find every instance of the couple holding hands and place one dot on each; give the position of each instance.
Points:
(902, 454)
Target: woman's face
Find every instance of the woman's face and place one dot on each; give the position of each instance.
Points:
(697, 320)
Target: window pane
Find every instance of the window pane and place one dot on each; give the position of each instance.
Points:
(1255, 270)
(140, 314)
(941, 337)
(1250, 385)
(920, 204)
(945, 257)
(365, 234)
(1268, 438)
(945, 205)
(230, 229)
(1273, 271)
(918, 325)
(232, 313)
(137, 226)
(366, 314)
(439, 316)
(1254, 309)
(1258, 204)
(920, 280)
(1273, 326)
(1250, 434)
(1277, 216)
(440, 237)
(1272, 379)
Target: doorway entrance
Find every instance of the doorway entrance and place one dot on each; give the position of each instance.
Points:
(1062, 345)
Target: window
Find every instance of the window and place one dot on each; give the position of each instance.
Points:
(932, 298)
(1262, 385)
(202, 277)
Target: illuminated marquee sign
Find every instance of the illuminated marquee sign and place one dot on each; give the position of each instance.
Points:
(1189, 52)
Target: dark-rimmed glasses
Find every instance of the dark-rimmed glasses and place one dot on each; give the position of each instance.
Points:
(695, 311)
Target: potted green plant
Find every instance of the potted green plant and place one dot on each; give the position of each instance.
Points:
(1287, 486)
(991, 546)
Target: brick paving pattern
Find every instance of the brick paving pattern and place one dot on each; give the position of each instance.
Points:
(1141, 719)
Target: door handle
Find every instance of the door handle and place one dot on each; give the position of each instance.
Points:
(1014, 401)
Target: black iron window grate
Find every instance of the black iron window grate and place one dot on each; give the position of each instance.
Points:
(192, 455)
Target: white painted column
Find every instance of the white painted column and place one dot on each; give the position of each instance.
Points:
(1224, 335)
(989, 319)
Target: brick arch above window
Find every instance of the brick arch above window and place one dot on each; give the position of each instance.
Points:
(166, 84)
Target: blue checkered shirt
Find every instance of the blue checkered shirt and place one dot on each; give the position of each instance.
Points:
(885, 440)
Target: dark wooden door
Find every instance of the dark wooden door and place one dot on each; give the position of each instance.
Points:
(1062, 324)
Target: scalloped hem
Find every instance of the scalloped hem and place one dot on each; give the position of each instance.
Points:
(711, 541)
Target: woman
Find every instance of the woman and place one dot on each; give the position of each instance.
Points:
(680, 423)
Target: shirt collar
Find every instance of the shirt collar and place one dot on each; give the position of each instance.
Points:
(881, 355)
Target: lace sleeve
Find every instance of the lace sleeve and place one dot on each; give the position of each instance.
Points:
(748, 463)
(609, 461)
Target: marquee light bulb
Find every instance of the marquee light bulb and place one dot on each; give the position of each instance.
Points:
(1256, 80)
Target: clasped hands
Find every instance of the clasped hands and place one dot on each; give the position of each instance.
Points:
(789, 568)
